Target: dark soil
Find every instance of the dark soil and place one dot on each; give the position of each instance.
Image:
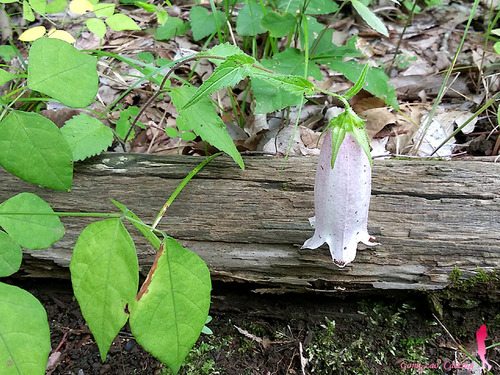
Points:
(255, 334)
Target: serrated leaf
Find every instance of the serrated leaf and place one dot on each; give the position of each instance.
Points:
(172, 304)
(11, 255)
(121, 22)
(33, 34)
(24, 329)
(30, 221)
(5, 77)
(86, 136)
(105, 277)
(227, 74)
(59, 70)
(33, 148)
(369, 17)
(293, 84)
(278, 25)
(97, 26)
(203, 22)
(249, 19)
(139, 224)
(204, 121)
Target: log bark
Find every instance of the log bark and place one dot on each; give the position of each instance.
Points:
(248, 226)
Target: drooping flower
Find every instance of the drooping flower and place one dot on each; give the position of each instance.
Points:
(342, 189)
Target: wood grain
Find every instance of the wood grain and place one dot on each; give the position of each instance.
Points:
(249, 225)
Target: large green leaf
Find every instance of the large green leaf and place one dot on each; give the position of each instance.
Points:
(268, 92)
(249, 19)
(204, 121)
(86, 136)
(294, 84)
(59, 70)
(11, 255)
(24, 333)
(33, 148)
(227, 74)
(278, 25)
(203, 22)
(292, 61)
(30, 221)
(105, 277)
(377, 82)
(173, 304)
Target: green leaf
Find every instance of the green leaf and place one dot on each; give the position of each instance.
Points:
(188, 136)
(376, 82)
(86, 136)
(370, 18)
(173, 304)
(204, 121)
(313, 7)
(292, 61)
(359, 83)
(7, 52)
(56, 6)
(28, 14)
(121, 22)
(203, 22)
(496, 47)
(229, 73)
(38, 6)
(278, 25)
(222, 50)
(269, 98)
(147, 7)
(139, 224)
(5, 77)
(33, 148)
(97, 26)
(249, 19)
(59, 70)
(30, 221)
(293, 84)
(105, 277)
(24, 332)
(11, 255)
(169, 29)
(104, 10)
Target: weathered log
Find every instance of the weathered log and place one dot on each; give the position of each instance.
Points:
(249, 225)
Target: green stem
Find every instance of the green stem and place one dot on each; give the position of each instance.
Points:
(179, 188)
(316, 42)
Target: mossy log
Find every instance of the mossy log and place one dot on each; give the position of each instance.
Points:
(429, 216)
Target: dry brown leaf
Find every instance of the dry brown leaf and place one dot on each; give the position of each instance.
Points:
(376, 119)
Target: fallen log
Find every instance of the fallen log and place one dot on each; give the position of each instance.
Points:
(248, 226)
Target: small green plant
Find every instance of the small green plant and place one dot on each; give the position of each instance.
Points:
(378, 345)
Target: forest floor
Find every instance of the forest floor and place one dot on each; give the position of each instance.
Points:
(299, 334)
